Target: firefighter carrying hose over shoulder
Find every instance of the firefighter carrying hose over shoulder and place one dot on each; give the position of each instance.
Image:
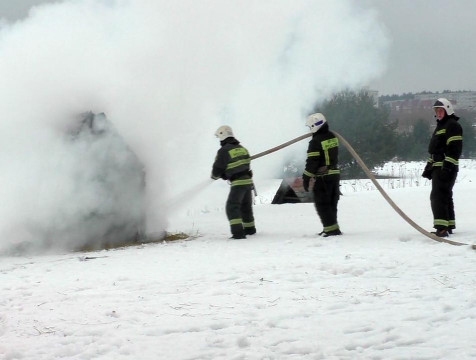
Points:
(321, 164)
(445, 148)
(232, 163)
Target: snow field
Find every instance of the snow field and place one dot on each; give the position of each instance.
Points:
(381, 291)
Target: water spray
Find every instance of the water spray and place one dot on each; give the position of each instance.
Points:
(175, 203)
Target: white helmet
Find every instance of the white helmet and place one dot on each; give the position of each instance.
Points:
(315, 121)
(445, 104)
(224, 132)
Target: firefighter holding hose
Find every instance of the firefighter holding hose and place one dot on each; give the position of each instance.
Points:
(232, 163)
(321, 165)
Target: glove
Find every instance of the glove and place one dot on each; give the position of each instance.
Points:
(427, 171)
(305, 182)
(218, 177)
(445, 174)
(426, 174)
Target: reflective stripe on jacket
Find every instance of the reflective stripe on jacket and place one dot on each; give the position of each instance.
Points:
(322, 153)
(446, 143)
(232, 162)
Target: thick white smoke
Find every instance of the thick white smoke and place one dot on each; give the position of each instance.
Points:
(167, 74)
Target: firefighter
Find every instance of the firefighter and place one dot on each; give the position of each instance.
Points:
(232, 163)
(445, 148)
(321, 165)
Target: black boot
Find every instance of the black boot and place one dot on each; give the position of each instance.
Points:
(332, 233)
(441, 232)
(237, 231)
(250, 230)
(238, 236)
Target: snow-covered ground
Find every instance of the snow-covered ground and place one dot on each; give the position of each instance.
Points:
(381, 291)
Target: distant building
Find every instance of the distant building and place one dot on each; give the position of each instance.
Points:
(410, 105)
(461, 100)
(419, 106)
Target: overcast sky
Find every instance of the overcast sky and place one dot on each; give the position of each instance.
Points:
(432, 42)
(432, 45)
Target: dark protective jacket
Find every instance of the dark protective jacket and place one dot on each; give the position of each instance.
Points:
(446, 143)
(322, 153)
(232, 163)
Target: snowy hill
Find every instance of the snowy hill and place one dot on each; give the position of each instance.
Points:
(381, 291)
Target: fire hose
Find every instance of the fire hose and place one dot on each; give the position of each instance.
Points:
(374, 181)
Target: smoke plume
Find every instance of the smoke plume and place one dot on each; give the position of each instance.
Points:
(166, 74)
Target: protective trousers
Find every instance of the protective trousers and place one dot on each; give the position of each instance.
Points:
(326, 196)
(441, 198)
(239, 210)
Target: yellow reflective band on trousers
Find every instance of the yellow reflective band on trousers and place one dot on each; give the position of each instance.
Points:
(452, 222)
(451, 160)
(236, 221)
(234, 153)
(331, 228)
(442, 131)
(438, 163)
(314, 153)
(237, 163)
(242, 182)
(441, 222)
(454, 138)
(308, 173)
(248, 225)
